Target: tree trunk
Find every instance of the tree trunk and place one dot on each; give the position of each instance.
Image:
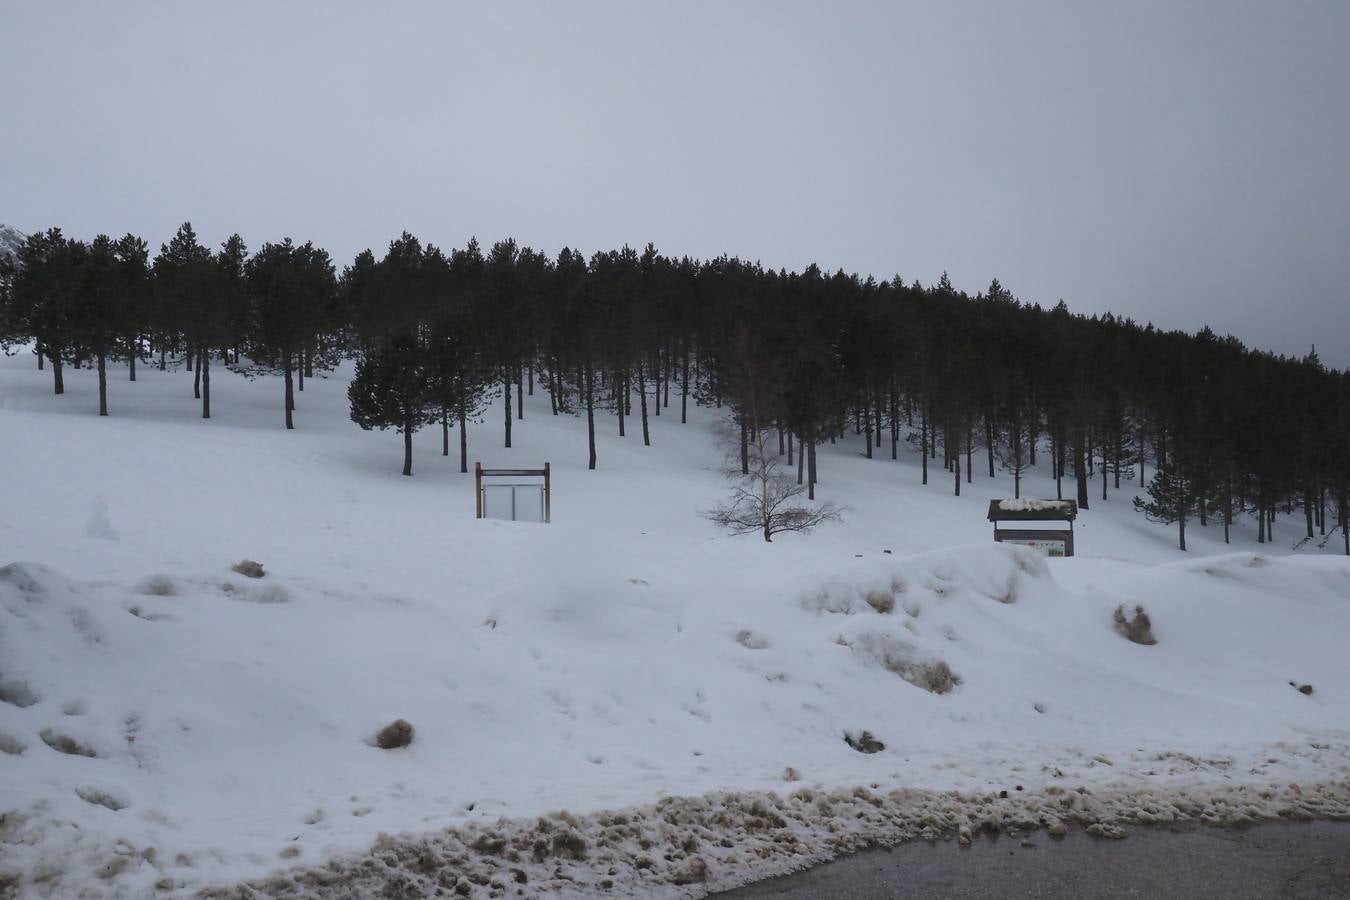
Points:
(789, 449)
(162, 352)
(1059, 469)
(135, 346)
(58, 378)
(970, 451)
(590, 411)
(620, 390)
(642, 392)
(684, 388)
(204, 366)
(407, 444)
(745, 447)
(530, 370)
(989, 443)
(801, 458)
(300, 370)
(41, 356)
(463, 442)
(506, 385)
(196, 356)
(656, 380)
(923, 446)
(445, 431)
(1308, 510)
(290, 391)
(811, 470)
(895, 425)
(102, 383)
(867, 420)
(309, 362)
(1181, 531)
(520, 394)
(1345, 518)
(1227, 514)
(1080, 473)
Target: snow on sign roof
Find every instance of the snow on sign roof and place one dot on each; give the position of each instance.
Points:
(1025, 505)
(1032, 510)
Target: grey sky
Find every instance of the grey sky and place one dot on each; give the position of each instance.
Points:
(1179, 162)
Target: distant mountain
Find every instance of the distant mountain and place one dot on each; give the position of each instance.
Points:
(10, 239)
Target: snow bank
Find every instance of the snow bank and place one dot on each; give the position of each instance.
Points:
(687, 847)
(175, 732)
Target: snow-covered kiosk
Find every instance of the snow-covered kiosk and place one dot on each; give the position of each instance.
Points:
(1046, 525)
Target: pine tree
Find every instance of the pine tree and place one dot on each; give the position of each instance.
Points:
(133, 258)
(98, 315)
(394, 387)
(45, 283)
(1171, 500)
(293, 299)
(184, 281)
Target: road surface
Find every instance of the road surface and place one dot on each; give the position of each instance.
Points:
(1280, 861)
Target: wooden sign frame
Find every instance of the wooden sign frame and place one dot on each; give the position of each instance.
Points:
(479, 473)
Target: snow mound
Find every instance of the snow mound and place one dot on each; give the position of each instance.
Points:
(724, 840)
(170, 741)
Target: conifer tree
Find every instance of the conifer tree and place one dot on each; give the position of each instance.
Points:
(98, 312)
(394, 387)
(133, 258)
(1171, 499)
(292, 293)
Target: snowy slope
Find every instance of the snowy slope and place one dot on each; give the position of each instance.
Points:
(626, 653)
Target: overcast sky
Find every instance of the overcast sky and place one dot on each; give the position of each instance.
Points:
(1185, 163)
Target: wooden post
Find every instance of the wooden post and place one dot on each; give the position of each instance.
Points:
(478, 490)
(548, 495)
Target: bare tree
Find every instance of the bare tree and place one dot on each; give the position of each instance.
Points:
(764, 497)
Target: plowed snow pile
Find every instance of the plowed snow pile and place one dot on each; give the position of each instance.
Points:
(623, 701)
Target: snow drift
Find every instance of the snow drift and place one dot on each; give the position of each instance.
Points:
(178, 732)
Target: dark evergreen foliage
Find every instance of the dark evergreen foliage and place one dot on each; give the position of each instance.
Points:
(967, 381)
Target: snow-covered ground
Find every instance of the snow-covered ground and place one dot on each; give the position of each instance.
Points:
(169, 725)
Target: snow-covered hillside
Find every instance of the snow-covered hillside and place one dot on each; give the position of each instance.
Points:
(169, 724)
(10, 239)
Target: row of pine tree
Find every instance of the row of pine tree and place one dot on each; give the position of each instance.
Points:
(973, 383)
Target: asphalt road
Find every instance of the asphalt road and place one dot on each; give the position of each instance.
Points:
(1263, 862)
